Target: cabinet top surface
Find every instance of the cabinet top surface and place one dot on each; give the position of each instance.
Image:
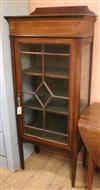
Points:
(60, 12)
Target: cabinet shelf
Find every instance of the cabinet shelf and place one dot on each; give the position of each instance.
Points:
(53, 123)
(58, 106)
(33, 131)
(55, 106)
(56, 138)
(48, 135)
(56, 124)
(49, 72)
(44, 53)
(59, 87)
(57, 73)
(33, 72)
(33, 104)
(36, 126)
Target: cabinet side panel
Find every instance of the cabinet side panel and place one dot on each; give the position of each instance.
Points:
(85, 75)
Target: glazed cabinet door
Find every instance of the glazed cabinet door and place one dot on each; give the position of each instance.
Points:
(45, 85)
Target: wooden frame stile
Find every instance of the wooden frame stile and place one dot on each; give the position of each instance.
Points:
(73, 59)
(91, 64)
(91, 40)
(18, 94)
(76, 110)
(78, 146)
(86, 41)
(12, 42)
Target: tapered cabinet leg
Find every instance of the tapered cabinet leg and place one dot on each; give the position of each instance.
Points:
(90, 172)
(84, 156)
(21, 154)
(74, 166)
(37, 150)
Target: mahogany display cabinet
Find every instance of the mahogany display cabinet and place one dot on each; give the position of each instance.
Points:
(51, 59)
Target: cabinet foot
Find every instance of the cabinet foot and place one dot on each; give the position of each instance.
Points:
(74, 165)
(90, 172)
(37, 150)
(21, 154)
(84, 157)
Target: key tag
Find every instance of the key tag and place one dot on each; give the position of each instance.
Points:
(19, 108)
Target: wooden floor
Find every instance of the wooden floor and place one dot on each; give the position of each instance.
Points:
(45, 171)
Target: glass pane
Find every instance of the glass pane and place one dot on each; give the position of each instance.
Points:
(59, 87)
(30, 47)
(56, 65)
(56, 123)
(33, 118)
(31, 64)
(30, 83)
(34, 132)
(29, 100)
(58, 106)
(43, 94)
(55, 137)
(57, 48)
(85, 66)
